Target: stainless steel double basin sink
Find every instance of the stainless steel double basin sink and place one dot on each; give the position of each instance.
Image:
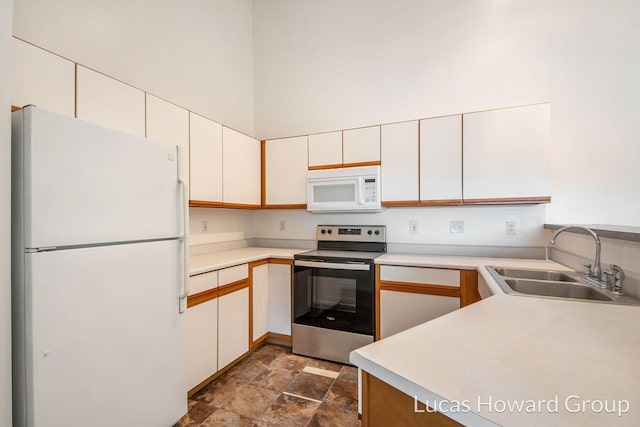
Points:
(554, 284)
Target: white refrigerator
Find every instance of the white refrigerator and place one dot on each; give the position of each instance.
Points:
(98, 276)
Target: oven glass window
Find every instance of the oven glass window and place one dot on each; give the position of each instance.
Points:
(334, 193)
(334, 299)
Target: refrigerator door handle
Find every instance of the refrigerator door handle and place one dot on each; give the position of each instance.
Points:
(184, 235)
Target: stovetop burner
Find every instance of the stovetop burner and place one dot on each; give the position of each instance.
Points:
(348, 242)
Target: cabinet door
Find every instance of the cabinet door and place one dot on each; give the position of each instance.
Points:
(241, 168)
(260, 300)
(441, 159)
(403, 310)
(206, 159)
(110, 103)
(169, 124)
(286, 171)
(325, 149)
(233, 326)
(279, 317)
(361, 145)
(506, 154)
(202, 342)
(43, 79)
(400, 164)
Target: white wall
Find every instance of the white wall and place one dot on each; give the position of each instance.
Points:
(483, 225)
(329, 65)
(5, 213)
(198, 54)
(223, 225)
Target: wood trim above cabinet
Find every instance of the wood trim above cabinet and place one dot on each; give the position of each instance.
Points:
(15, 108)
(419, 288)
(345, 165)
(201, 297)
(507, 200)
(232, 287)
(240, 206)
(420, 203)
(204, 204)
(285, 206)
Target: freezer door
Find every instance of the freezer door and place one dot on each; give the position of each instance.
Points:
(105, 345)
(86, 184)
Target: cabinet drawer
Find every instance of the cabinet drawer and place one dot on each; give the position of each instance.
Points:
(233, 274)
(421, 275)
(203, 282)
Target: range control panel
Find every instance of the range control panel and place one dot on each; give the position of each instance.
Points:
(352, 233)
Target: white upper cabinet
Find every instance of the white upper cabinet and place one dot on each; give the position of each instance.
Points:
(441, 159)
(361, 145)
(43, 79)
(400, 162)
(206, 159)
(507, 154)
(241, 168)
(325, 149)
(169, 124)
(110, 103)
(286, 171)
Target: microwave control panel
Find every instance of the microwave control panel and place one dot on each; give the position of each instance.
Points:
(370, 190)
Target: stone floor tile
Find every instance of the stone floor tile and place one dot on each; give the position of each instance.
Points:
(274, 379)
(219, 391)
(246, 370)
(325, 364)
(343, 394)
(198, 411)
(222, 418)
(251, 401)
(292, 362)
(331, 416)
(290, 411)
(310, 385)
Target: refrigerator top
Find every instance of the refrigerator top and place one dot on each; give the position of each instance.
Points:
(76, 183)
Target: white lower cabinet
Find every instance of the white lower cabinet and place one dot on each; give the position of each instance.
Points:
(260, 300)
(233, 326)
(202, 342)
(403, 310)
(271, 299)
(279, 306)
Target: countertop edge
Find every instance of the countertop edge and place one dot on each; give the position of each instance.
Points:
(421, 394)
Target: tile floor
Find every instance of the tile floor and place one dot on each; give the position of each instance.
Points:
(274, 387)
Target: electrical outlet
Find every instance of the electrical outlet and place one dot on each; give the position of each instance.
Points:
(205, 226)
(413, 227)
(283, 225)
(511, 228)
(456, 227)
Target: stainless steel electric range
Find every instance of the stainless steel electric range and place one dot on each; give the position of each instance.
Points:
(334, 291)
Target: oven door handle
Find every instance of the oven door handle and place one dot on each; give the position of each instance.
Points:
(334, 265)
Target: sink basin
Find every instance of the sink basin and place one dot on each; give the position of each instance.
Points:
(555, 276)
(555, 289)
(554, 284)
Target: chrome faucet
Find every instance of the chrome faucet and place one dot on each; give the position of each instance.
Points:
(593, 277)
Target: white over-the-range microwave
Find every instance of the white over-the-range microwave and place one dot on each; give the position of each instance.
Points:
(349, 189)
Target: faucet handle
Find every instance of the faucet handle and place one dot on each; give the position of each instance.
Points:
(619, 277)
(587, 269)
(608, 275)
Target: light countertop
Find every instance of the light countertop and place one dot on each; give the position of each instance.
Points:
(505, 349)
(217, 260)
(510, 349)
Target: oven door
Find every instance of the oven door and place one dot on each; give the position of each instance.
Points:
(334, 295)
